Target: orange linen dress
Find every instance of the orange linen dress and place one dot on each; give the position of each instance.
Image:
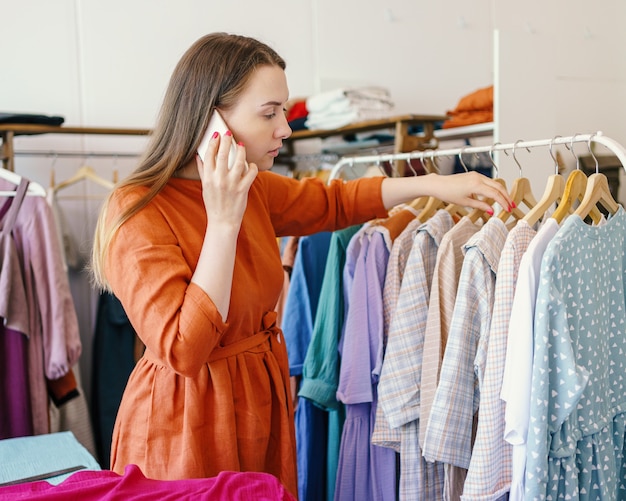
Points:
(210, 396)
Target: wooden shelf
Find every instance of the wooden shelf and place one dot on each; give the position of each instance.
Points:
(403, 141)
(9, 131)
(465, 132)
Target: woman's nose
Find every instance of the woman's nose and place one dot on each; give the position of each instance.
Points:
(284, 131)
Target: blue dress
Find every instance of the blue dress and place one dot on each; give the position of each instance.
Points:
(578, 396)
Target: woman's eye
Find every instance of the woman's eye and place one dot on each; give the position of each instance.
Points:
(270, 116)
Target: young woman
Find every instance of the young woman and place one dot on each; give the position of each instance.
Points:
(189, 247)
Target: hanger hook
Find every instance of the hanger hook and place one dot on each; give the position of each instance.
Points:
(408, 162)
(556, 162)
(461, 158)
(519, 166)
(351, 165)
(380, 167)
(491, 159)
(434, 162)
(571, 149)
(595, 159)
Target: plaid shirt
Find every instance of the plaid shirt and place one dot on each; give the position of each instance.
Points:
(400, 377)
(449, 430)
(489, 479)
(440, 308)
(384, 435)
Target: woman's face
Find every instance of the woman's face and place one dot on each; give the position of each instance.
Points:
(258, 118)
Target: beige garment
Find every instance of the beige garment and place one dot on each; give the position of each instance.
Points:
(73, 416)
(440, 309)
(383, 434)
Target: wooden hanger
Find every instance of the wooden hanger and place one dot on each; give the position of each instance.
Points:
(34, 189)
(597, 192)
(521, 194)
(575, 189)
(432, 205)
(555, 187)
(84, 173)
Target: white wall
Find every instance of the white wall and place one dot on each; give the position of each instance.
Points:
(560, 70)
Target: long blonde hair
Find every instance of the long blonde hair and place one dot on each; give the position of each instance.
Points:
(211, 74)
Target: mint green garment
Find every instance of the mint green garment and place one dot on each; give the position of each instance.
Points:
(320, 371)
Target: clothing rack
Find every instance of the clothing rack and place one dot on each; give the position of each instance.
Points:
(598, 137)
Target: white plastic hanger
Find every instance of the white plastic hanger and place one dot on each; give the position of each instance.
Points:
(34, 189)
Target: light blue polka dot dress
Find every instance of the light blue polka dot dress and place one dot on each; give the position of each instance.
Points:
(578, 399)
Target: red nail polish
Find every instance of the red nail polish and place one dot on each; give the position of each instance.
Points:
(215, 134)
(240, 143)
(228, 133)
(490, 212)
(513, 205)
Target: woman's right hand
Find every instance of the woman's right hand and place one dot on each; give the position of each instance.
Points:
(224, 190)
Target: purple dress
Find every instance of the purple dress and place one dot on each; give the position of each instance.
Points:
(366, 471)
(15, 415)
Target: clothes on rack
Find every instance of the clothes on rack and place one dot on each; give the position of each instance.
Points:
(311, 422)
(515, 392)
(17, 419)
(320, 370)
(75, 203)
(43, 311)
(397, 419)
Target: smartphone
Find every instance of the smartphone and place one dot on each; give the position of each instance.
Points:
(217, 124)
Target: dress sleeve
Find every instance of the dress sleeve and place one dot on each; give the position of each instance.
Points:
(175, 319)
(301, 207)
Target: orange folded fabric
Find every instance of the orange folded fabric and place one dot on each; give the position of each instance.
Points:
(476, 107)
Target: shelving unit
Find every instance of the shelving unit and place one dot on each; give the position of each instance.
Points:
(9, 131)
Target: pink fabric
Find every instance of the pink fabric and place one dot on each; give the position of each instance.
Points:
(108, 485)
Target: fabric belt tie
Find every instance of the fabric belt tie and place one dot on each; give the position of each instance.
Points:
(253, 343)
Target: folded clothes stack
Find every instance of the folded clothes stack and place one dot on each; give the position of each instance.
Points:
(473, 108)
(344, 106)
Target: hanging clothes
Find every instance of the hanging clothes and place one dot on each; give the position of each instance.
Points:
(577, 420)
(16, 418)
(52, 328)
(400, 378)
(517, 369)
(365, 471)
(113, 362)
(320, 370)
(486, 478)
(383, 434)
(440, 310)
(311, 422)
